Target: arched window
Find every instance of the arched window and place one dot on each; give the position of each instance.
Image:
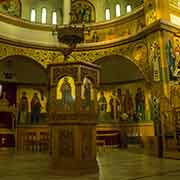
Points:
(33, 15)
(44, 16)
(128, 8)
(118, 10)
(54, 17)
(107, 14)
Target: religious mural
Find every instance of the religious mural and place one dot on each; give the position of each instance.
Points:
(87, 94)
(31, 105)
(151, 15)
(4, 102)
(66, 94)
(171, 59)
(155, 60)
(176, 51)
(82, 12)
(117, 31)
(11, 7)
(125, 101)
(23, 109)
(140, 53)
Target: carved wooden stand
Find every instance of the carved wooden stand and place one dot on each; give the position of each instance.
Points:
(73, 133)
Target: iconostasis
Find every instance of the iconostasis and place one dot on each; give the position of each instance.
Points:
(66, 95)
(128, 101)
(31, 104)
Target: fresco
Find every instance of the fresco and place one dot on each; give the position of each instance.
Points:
(66, 94)
(31, 105)
(125, 102)
(171, 59)
(117, 31)
(82, 12)
(155, 60)
(176, 51)
(87, 94)
(11, 7)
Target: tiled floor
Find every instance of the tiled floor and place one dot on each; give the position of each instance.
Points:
(114, 165)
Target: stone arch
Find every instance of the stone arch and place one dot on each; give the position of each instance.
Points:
(143, 67)
(125, 51)
(113, 62)
(22, 69)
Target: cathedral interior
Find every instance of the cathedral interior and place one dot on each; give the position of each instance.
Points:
(90, 89)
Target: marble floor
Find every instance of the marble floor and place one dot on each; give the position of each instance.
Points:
(114, 165)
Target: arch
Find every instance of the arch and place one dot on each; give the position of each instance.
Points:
(107, 14)
(118, 10)
(115, 68)
(128, 8)
(22, 70)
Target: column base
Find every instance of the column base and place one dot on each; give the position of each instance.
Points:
(73, 167)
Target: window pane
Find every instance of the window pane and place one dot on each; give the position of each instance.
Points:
(118, 10)
(128, 8)
(54, 18)
(33, 15)
(108, 16)
(43, 15)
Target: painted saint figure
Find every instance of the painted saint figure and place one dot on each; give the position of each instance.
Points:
(102, 103)
(35, 108)
(171, 59)
(128, 104)
(140, 102)
(67, 99)
(111, 103)
(87, 94)
(4, 101)
(119, 103)
(23, 109)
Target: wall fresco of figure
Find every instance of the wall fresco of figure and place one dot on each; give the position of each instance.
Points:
(31, 105)
(87, 94)
(23, 109)
(102, 103)
(171, 59)
(155, 59)
(140, 103)
(4, 101)
(82, 11)
(35, 108)
(177, 54)
(124, 101)
(66, 94)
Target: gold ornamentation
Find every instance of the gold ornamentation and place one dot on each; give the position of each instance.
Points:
(140, 53)
(45, 57)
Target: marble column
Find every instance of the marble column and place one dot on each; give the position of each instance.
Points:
(67, 9)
